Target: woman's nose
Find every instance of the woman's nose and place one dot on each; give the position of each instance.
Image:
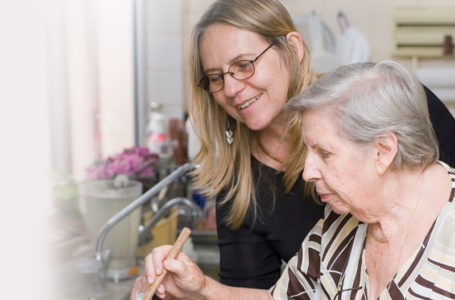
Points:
(310, 171)
(232, 86)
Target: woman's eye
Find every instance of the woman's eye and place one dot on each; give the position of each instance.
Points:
(243, 65)
(324, 154)
(214, 78)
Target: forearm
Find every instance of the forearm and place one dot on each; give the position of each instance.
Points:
(213, 290)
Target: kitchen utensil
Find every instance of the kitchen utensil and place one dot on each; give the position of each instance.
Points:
(183, 236)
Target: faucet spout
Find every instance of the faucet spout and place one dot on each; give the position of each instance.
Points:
(137, 203)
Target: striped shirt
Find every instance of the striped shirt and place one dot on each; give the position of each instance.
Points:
(331, 261)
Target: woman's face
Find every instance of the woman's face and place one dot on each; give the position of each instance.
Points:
(258, 100)
(344, 174)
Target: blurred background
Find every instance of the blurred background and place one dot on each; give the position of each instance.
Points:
(83, 80)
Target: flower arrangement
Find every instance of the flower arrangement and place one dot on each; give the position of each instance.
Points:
(136, 163)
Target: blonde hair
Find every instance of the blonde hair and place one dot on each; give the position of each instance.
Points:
(224, 166)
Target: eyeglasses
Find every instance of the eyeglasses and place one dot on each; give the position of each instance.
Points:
(240, 70)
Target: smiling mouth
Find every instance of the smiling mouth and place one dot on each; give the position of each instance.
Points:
(248, 103)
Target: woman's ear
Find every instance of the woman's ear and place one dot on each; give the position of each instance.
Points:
(385, 147)
(295, 41)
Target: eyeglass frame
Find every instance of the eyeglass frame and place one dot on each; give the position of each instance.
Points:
(205, 79)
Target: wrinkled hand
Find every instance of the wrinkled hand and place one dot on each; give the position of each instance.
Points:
(183, 280)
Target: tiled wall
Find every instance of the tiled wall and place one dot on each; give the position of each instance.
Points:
(164, 55)
(171, 22)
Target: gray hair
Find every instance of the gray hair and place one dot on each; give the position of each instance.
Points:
(367, 100)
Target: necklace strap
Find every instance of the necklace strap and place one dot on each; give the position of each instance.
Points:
(267, 153)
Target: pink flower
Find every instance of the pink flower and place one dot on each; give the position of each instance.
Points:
(127, 164)
(136, 162)
(96, 172)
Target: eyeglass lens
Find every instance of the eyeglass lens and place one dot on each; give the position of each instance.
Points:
(239, 70)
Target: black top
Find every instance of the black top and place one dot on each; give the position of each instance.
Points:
(252, 256)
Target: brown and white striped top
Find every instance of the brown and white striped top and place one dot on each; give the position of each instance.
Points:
(331, 262)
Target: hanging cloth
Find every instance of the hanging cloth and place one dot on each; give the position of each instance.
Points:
(351, 45)
(322, 59)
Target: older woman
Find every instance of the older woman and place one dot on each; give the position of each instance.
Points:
(387, 231)
(372, 154)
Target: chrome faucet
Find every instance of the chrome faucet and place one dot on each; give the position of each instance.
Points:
(103, 258)
(195, 213)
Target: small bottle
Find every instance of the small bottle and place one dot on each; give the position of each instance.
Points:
(157, 139)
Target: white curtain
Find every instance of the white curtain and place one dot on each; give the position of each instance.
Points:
(94, 109)
(66, 95)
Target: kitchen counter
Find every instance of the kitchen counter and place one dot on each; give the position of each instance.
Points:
(73, 250)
